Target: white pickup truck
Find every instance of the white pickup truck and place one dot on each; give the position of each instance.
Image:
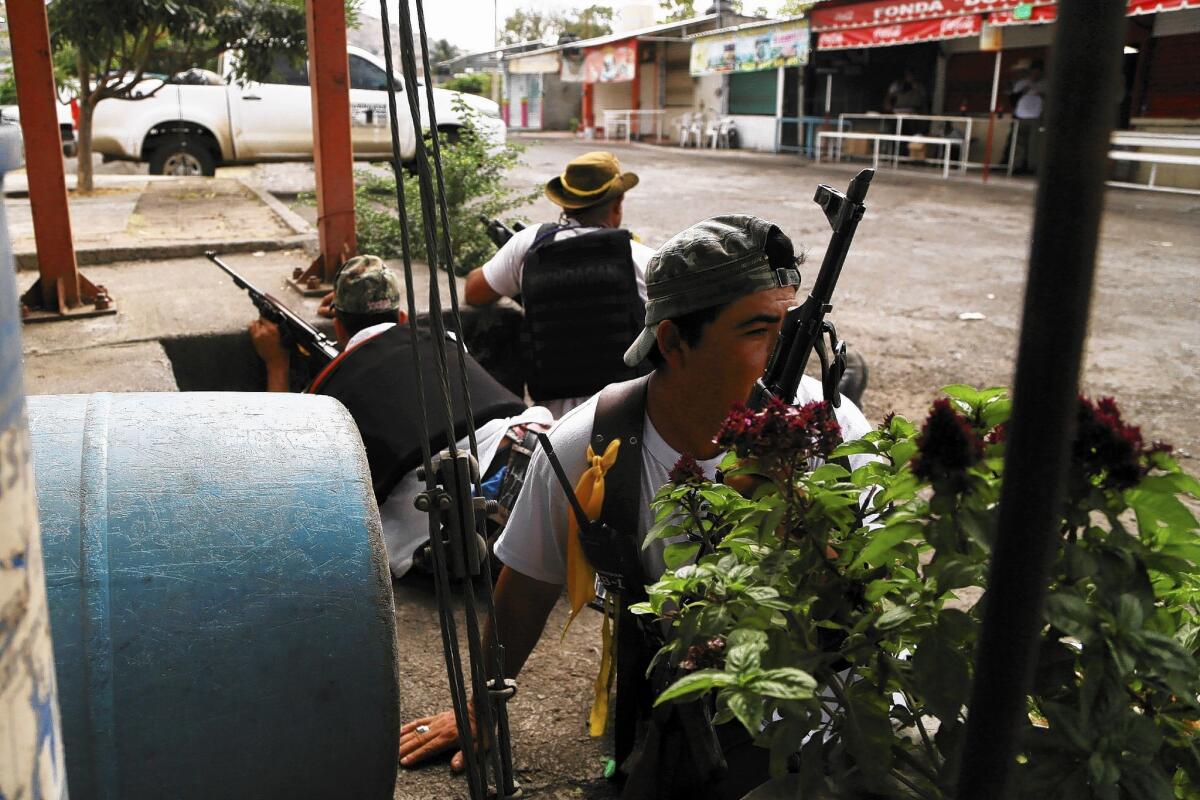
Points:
(200, 121)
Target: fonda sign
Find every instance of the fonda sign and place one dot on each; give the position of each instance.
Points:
(885, 12)
(901, 33)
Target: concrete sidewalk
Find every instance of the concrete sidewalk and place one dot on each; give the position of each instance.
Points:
(136, 217)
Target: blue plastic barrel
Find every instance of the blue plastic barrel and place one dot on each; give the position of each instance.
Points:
(219, 597)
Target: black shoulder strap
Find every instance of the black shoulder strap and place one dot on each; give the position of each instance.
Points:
(621, 414)
(545, 234)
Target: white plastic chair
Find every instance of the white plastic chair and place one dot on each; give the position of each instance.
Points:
(684, 123)
(712, 132)
(724, 128)
(696, 129)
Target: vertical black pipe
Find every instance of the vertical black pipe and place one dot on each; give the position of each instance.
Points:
(1081, 108)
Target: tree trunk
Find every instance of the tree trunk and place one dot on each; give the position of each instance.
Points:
(87, 107)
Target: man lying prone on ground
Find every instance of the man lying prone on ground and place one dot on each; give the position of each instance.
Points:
(374, 377)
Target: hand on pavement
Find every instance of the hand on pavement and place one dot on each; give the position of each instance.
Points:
(326, 307)
(439, 733)
(267, 342)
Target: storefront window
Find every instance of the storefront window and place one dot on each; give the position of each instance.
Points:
(753, 92)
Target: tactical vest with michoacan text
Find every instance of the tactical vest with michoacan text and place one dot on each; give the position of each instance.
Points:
(582, 310)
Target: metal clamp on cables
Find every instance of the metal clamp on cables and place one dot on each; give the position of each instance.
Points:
(460, 514)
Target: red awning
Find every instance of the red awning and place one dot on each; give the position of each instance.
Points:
(901, 33)
(886, 12)
(1154, 6)
(1043, 14)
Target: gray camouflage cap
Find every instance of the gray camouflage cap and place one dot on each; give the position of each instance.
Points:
(712, 263)
(366, 285)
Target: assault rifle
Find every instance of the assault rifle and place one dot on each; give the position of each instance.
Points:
(805, 327)
(498, 232)
(296, 334)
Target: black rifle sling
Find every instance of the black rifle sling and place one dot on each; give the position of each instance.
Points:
(621, 414)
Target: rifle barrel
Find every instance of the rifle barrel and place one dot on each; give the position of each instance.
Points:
(238, 280)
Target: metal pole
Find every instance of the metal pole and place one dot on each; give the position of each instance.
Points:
(987, 147)
(59, 290)
(31, 760)
(1087, 52)
(333, 152)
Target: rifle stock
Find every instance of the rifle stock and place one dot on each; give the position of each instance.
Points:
(805, 325)
(295, 332)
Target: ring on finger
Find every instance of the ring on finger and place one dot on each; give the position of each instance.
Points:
(422, 729)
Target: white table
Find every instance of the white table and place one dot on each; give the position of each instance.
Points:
(1162, 141)
(966, 122)
(838, 137)
(646, 118)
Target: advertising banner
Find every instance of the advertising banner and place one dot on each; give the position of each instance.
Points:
(611, 63)
(1040, 14)
(902, 33)
(534, 65)
(886, 12)
(766, 47)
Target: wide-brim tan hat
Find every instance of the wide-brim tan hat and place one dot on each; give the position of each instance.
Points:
(590, 180)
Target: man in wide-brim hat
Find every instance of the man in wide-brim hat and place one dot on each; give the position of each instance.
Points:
(581, 281)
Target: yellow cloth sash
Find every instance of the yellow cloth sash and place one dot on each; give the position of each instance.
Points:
(581, 578)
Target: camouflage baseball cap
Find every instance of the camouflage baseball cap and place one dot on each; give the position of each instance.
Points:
(712, 263)
(366, 285)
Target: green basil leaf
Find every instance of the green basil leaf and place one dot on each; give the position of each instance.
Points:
(695, 684)
(785, 684)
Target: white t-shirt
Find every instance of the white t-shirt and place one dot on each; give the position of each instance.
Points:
(503, 273)
(405, 529)
(1030, 102)
(534, 541)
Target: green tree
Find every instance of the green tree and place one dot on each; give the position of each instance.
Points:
(479, 83)
(589, 22)
(532, 25)
(794, 8)
(528, 25)
(678, 9)
(127, 49)
(441, 50)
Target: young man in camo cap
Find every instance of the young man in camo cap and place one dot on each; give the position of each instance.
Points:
(374, 379)
(717, 295)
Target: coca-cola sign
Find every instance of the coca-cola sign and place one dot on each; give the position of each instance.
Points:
(884, 12)
(901, 33)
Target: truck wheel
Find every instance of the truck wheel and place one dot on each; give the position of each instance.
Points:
(451, 135)
(182, 156)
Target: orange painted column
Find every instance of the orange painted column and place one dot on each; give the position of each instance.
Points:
(333, 152)
(59, 290)
(588, 120)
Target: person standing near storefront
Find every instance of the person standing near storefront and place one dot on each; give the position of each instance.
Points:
(908, 96)
(1028, 99)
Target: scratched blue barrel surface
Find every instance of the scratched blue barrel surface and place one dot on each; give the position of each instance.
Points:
(219, 597)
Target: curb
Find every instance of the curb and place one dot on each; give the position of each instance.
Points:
(302, 235)
(297, 223)
(92, 256)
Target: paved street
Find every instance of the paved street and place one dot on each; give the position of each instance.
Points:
(929, 250)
